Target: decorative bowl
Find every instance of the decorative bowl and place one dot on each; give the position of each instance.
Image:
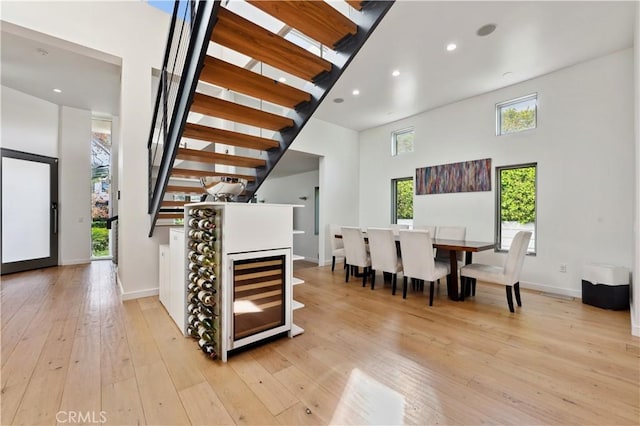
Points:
(223, 188)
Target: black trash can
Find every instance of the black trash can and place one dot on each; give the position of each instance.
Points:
(605, 286)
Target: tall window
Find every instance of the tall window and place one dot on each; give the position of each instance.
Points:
(100, 187)
(516, 204)
(402, 141)
(517, 115)
(402, 201)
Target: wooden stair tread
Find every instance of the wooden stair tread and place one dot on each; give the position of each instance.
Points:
(190, 173)
(356, 4)
(218, 158)
(227, 137)
(250, 39)
(316, 19)
(173, 203)
(231, 111)
(242, 80)
(185, 189)
(162, 215)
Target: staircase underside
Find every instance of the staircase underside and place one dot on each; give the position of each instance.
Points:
(256, 93)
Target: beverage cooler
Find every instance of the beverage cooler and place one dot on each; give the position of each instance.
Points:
(239, 274)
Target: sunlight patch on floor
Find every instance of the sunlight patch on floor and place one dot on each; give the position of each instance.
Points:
(377, 403)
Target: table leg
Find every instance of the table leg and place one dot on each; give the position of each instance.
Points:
(453, 282)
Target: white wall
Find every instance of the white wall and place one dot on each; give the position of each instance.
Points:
(584, 149)
(339, 171)
(288, 190)
(635, 303)
(74, 185)
(29, 124)
(136, 33)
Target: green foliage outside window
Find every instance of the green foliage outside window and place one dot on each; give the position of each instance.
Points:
(515, 120)
(404, 199)
(99, 238)
(518, 195)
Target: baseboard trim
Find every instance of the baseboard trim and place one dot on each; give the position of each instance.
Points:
(74, 262)
(635, 330)
(312, 260)
(551, 289)
(139, 294)
(135, 294)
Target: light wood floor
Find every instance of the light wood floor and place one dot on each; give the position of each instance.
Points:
(69, 345)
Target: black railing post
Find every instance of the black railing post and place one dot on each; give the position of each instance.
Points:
(199, 39)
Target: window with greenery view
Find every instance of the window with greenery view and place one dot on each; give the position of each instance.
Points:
(517, 115)
(402, 141)
(402, 201)
(516, 204)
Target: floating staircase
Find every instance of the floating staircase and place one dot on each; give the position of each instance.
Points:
(239, 81)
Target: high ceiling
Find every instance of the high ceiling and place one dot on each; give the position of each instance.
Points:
(531, 39)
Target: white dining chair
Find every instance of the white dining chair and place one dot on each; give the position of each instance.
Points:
(507, 275)
(395, 227)
(418, 261)
(384, 255)
(337, 245)
(355, 252)
(430, 228)
(450, 233)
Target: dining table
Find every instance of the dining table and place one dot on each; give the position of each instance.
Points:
(452, 247)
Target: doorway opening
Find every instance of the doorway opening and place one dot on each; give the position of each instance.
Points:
(100, 188)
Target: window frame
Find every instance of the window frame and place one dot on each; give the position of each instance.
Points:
(394, 196)
(498, 211)
(394, 140)
(510, 102)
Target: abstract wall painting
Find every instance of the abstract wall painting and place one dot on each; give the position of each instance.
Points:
(468, 176)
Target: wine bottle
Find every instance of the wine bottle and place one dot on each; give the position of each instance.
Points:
(204, 248)
(192, 297)
(201, 236)
(193, 332)
(206, 310)
(207, 298)
(196, 212)
(205, 320)
(193, 256)
(194, 267)
(205, 224)
(193, 308)
(206, 333)
(204, 260)
(208, 348)
(207, 273)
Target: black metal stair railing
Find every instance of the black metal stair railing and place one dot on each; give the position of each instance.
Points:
(187, 42)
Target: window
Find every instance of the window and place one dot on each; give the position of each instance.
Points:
(402, 201)
(516, 204)
(402, 141)
(517, 115)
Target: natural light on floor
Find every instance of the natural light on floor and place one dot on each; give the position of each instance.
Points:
(376, 403)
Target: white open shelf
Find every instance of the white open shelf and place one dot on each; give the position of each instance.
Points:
(296, 329)
(298, 231)
(297, 257)
(297, 305)
(296, 281)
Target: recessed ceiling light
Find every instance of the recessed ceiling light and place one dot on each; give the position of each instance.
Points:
(451, 47)
(57, 90)
(356, 92)
(485, 30)
(338, 100)
(395, 73)
(282, 79)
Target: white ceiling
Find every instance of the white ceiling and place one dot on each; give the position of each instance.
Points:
(36, 64)
(531, 39)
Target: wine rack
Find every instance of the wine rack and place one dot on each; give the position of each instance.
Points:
(203, 287)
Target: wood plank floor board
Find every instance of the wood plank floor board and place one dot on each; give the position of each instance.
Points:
(121, 403)
(160, 400)
(203, 406)
(268, 389)
(366, 357)
(244, 406)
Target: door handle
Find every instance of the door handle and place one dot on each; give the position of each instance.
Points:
(54, 208)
